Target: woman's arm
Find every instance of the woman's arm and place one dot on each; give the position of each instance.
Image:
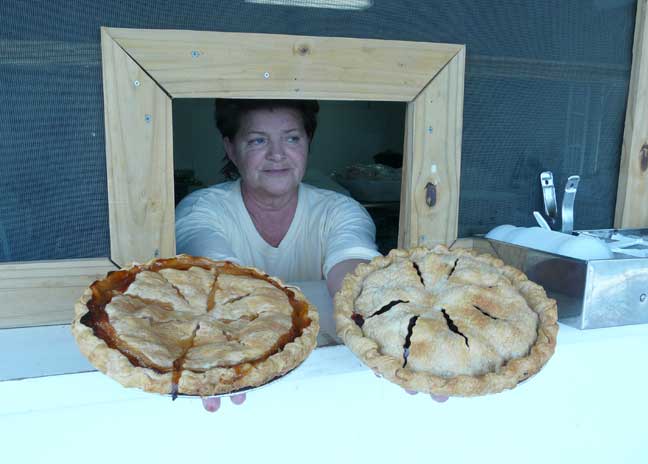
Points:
(336, 274)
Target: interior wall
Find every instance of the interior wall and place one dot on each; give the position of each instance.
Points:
(347, 133)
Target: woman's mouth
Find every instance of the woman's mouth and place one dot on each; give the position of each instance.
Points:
(276, 171)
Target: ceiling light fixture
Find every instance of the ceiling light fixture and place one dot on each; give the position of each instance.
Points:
(334, 4)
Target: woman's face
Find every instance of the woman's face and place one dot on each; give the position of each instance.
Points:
(270, 151)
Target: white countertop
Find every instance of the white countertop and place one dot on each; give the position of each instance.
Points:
(588, 404)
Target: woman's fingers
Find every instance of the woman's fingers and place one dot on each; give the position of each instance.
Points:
(211, 404)
(238, 399)
(437, 398)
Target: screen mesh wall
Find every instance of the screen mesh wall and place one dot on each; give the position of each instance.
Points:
(546, 86)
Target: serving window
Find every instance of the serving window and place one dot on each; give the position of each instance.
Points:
(145, 70)
(357, 151)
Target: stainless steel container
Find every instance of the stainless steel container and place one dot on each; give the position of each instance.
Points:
(590, 293)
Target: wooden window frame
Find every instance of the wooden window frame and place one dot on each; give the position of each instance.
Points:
(632, 193)
(144, 70)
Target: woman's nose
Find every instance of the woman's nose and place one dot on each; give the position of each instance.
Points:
(275, 151)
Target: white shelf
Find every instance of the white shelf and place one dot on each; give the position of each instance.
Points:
(587, 405)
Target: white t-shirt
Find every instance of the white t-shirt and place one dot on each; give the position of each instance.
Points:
(328, 228)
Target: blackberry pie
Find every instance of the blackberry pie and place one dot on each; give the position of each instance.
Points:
(446, 322)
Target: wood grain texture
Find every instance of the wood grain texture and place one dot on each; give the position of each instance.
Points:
(139, 159)
(432, 160)
(405, 211)
(210, 64)
(44, 292)
(632, 193)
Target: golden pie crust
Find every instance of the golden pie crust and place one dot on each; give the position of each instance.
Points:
(194, 326)
(453, 323)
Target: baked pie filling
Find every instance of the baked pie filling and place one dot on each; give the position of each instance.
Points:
(194, 326)
(446, 322)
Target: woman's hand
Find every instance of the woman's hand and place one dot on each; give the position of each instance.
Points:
(212, 403)
(437, 398)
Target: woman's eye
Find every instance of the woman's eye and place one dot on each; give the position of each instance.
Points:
(293, 139)
(256, 141)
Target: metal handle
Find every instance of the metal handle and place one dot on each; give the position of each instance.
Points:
(541, 221)
(549, 195)
(568, 204)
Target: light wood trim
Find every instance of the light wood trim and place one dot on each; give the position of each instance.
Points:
(44, 292)
(632, 193)
(433, 158)
(210, 64)
(139, 159)
(405, 212)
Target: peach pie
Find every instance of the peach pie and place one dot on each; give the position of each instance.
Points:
(193, 326)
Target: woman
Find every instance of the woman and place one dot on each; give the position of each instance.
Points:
(268, 218)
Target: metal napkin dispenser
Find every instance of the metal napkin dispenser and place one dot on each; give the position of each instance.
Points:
(591, 293)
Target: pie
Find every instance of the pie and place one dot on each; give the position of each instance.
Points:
(453, 323)
(193, 326)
